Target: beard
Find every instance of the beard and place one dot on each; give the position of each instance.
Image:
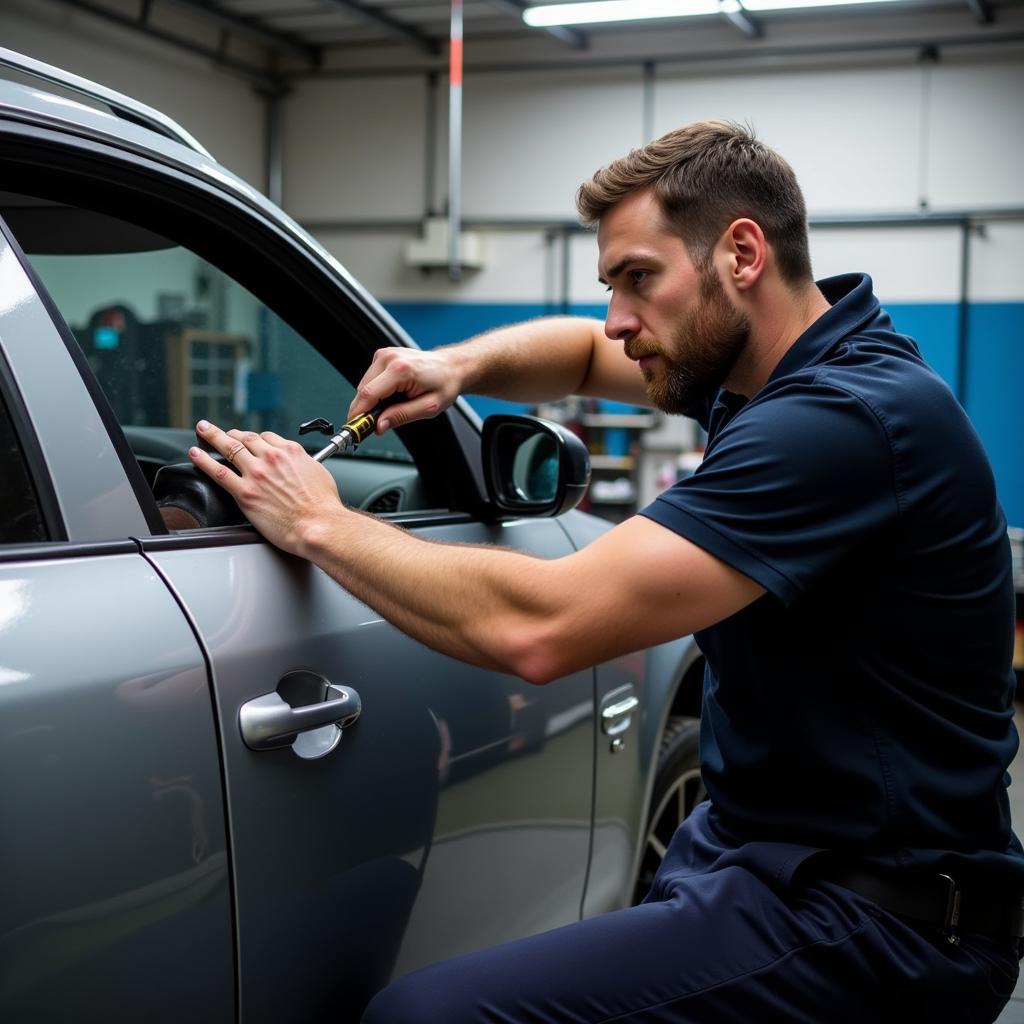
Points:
(700, 354)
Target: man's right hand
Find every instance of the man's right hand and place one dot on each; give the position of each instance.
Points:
(431, 381)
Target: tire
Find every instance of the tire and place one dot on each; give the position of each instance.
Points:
(677, 790)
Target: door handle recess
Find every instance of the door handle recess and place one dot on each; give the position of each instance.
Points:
(269, 722)
(617, 717)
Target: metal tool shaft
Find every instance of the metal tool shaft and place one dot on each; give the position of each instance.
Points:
(350, 436)
(342, 441)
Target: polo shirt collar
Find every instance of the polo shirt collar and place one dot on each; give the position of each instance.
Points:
(853, 305)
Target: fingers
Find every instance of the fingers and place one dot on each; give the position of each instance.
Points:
(238, 447)
(273, 440)
(393, 370)
(421, 376)
(226, 443)
(374, 389)
(217, 471)
(407, 412)
(252, 445)
(367, 389)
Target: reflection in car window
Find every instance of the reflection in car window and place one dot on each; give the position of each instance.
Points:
(21, 520)
(172, 339)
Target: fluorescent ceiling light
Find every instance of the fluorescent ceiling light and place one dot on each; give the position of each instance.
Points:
(593, 11)
(615, 10)
(796, 5)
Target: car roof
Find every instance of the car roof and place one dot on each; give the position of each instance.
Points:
(125, 123)
(118, 104)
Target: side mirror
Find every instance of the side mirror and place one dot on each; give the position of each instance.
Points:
(533, 467)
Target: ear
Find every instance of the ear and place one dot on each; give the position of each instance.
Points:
(745, 251)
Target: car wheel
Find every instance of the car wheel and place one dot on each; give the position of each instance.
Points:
(677, 790)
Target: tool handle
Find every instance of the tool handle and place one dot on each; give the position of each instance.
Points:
(350, 435)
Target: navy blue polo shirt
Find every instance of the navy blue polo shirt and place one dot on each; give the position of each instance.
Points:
(864, 703)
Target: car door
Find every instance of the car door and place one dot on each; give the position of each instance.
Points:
(115, 900)
(455, 811)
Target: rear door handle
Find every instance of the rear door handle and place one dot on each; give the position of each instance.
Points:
(269, 722)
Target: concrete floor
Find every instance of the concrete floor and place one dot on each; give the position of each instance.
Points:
(1014, 1012)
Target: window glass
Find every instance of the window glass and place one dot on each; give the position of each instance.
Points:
(172, 339)
(21, 521)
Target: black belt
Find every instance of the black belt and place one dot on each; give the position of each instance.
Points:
(934, 899)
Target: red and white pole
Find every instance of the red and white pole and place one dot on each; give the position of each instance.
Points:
(455, 141)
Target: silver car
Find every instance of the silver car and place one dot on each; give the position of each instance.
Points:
(229, 790)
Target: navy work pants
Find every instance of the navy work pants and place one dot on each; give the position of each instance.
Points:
(727, 936)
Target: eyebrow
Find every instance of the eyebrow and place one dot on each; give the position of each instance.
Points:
(619, 267)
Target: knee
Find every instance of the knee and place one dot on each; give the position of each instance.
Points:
(407, 1001)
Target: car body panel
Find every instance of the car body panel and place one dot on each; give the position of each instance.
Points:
(453, 814)
(624, 773)
(111, 801)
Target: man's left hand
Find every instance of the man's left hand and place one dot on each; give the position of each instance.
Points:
(278, 486)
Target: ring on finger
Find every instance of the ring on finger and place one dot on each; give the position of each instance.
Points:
(234, 451)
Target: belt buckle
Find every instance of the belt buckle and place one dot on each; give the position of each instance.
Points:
(951, 918)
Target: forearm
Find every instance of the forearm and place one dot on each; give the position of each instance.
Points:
(536, 361)
(478, 604)
(545, 360)
(532, 362)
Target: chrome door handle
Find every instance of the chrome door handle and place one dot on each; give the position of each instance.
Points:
(269, 722)
(617, 717)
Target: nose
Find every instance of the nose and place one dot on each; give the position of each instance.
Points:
(620, 323)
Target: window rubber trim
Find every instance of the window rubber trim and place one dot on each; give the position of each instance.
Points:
(32, 451)
(48, 551)
(233, 536)
(132, 469)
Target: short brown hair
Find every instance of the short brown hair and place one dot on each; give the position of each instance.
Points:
(706, 175)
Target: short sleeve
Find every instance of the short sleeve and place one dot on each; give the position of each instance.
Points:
(791, 486)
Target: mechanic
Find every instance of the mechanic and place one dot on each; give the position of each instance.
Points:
(842, 559)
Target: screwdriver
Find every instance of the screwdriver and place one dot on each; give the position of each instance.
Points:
(349, 435)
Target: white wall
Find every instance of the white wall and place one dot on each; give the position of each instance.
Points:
(219, 109)
(355, 149)
(863, 140)
(851, 135)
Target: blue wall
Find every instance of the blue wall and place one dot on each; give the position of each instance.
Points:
(994, 396)
(995, 364)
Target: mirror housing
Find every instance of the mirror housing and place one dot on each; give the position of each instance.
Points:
(188, 499)
(533, 467)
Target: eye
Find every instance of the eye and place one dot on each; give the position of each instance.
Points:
(637, 276)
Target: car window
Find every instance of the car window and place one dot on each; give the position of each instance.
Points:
(21, 518)
(172, 339)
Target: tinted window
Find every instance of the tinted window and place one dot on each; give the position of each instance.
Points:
(172, 339)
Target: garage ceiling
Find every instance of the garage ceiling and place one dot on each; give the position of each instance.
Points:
(305, 38)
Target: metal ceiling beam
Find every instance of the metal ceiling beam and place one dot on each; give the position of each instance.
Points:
(743, 22)
(248, 71)
(854, 222)
(570, 36)
(747, 54)
(251, 28)
(419, 39)
(982, 11)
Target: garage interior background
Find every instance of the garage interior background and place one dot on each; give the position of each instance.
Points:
(904, 122)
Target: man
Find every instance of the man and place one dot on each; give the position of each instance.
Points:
(842, 559)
